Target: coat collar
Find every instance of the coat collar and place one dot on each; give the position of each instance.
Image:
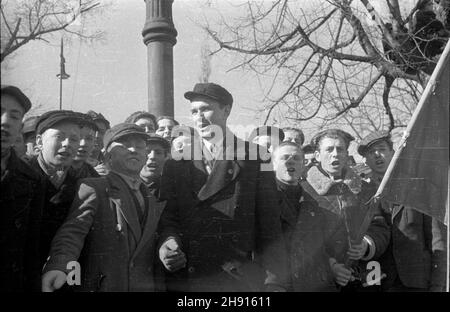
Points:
(322, 183)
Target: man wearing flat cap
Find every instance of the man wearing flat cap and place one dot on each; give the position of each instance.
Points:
(96, 158)
(29, 136)
(21, 202)
(158, 152)
(207, 230)
(342, 194)
(57, 138)
(111, 227)
(416, 257)
(81, 163)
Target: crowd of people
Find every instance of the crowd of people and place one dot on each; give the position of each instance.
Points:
(152, 205)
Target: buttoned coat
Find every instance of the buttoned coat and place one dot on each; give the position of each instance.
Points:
(216, 219)
(22, 202)
(103, 232)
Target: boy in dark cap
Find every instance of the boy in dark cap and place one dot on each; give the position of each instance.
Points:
(158, 152)
(80, 162)
(29, 135)
(416, 257)
(58, 139)
(96, 158)
(207, 231)
(343, 195)
(21, 202)
(111, 227)
(144, 120)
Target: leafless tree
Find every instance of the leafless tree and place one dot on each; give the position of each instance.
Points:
(338, 61)
(205, 62)
(26, 20)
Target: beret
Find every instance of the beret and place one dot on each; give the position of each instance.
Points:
(266, 130)
(98, 116)
(331, 133)
(29, 124)
(372, 138)
(212, 91)
(155, 138)
(51, 118)
(18, 94)
(121, 130)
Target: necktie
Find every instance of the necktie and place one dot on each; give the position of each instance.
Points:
(208, 157)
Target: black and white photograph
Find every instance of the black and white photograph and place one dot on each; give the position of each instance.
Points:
(217, 152)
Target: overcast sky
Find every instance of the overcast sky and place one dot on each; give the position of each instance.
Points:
(111, 77)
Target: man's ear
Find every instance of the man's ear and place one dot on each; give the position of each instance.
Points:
(39, 140)
(317, 155)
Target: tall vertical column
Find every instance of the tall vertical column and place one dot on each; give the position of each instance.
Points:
(160, 36)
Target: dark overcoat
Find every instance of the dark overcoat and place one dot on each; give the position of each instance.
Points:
(20, 220)
(103, 232)
(216, 219)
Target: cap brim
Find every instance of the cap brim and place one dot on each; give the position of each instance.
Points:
(190, 95)
(144, 135)
(165, 143)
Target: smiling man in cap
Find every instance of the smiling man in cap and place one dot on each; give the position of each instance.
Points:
(208, 232)
(111, 227)
(21, 202)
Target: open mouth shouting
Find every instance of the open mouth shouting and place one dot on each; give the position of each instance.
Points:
(335, 163)
(152, 166)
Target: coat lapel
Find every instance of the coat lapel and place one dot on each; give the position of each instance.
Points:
(120, 196)
(155, 208)
(223, 171)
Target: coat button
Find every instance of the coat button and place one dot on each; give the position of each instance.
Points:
(230, 171)
(131, 264)
(191, 269)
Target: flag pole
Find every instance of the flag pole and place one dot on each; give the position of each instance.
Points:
(426, 93)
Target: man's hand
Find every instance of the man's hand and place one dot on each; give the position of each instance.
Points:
(171, 255)
(53, 280)
(357, 251)
(342, 275)
(101, 169)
